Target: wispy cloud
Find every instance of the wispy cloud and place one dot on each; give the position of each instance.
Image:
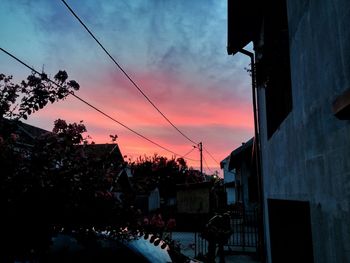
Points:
(174, 50)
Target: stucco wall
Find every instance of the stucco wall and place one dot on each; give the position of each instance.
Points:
(308, 157)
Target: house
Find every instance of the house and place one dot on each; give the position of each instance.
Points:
(301, 93)
(242, 165)
(229, 181)
(103, 151)
(146, 195)
(148, 201)
(24, 135)
(194, 203)
(194, 198)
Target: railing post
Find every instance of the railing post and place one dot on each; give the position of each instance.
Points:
(243, 229)
(195, 244)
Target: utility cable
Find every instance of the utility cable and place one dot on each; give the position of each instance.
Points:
(124, 72)
(205, 162)
(93, 107)
(189, 152)
(211, 155)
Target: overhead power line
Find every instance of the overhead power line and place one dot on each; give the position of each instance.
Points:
(211, 155)
(95, 108)
(207, 164)
(189, 152)
(124, 72)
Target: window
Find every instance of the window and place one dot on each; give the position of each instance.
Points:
(274, 66)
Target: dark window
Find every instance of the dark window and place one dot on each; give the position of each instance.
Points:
(275, 65)
(290, 231)
(253, 188)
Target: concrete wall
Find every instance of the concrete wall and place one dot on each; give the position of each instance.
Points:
(308, 158)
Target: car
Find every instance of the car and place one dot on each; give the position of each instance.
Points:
(143, 248)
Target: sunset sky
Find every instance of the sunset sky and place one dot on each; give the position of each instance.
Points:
(174, 50)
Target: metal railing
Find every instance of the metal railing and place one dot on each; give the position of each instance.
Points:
(244, 237)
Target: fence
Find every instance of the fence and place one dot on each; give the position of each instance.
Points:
(244, 237)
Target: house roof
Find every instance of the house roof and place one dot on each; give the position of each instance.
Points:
(29, 133)
(26, 134)
(224, 161)
(244, 20)
(102, 150)
(32, 131)
(241, 153)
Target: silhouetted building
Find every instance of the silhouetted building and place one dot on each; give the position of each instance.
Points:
(103, 151)
(194, 204)
(229, 181)
(302, 69)
(24, 134)
(241, 164)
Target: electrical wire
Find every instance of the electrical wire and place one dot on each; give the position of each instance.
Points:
(211, 155)
(205, 162)
(189, 152)
(95, 108)
(124, 72)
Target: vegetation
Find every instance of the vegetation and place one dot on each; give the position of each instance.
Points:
(164, 173)
(51, 181)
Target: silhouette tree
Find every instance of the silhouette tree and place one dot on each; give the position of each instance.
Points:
(53, 180)
(164, 173)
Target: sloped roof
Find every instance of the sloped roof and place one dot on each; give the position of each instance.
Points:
(103, 150)
(31, 131)
(224, 161)
(26, 133)
(239, 154)
(243, 23)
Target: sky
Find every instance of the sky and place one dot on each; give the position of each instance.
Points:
(174, 50)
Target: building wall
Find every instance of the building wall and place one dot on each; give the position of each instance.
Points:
(308, 157)
(154, 200)
(231, 195)
(229, 176)
(193, 200)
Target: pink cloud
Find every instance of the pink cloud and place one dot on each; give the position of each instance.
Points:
(214, 115)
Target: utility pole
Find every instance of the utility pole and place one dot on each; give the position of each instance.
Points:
(200, 147)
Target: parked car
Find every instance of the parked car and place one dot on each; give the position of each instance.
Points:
(101, 248)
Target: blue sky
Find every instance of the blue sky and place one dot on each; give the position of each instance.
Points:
(174, 50)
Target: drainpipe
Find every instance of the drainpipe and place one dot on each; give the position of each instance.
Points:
(257, 153)
(256, 125)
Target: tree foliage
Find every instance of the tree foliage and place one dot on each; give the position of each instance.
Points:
(53, 180)
(164, 173)
(33, 94)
